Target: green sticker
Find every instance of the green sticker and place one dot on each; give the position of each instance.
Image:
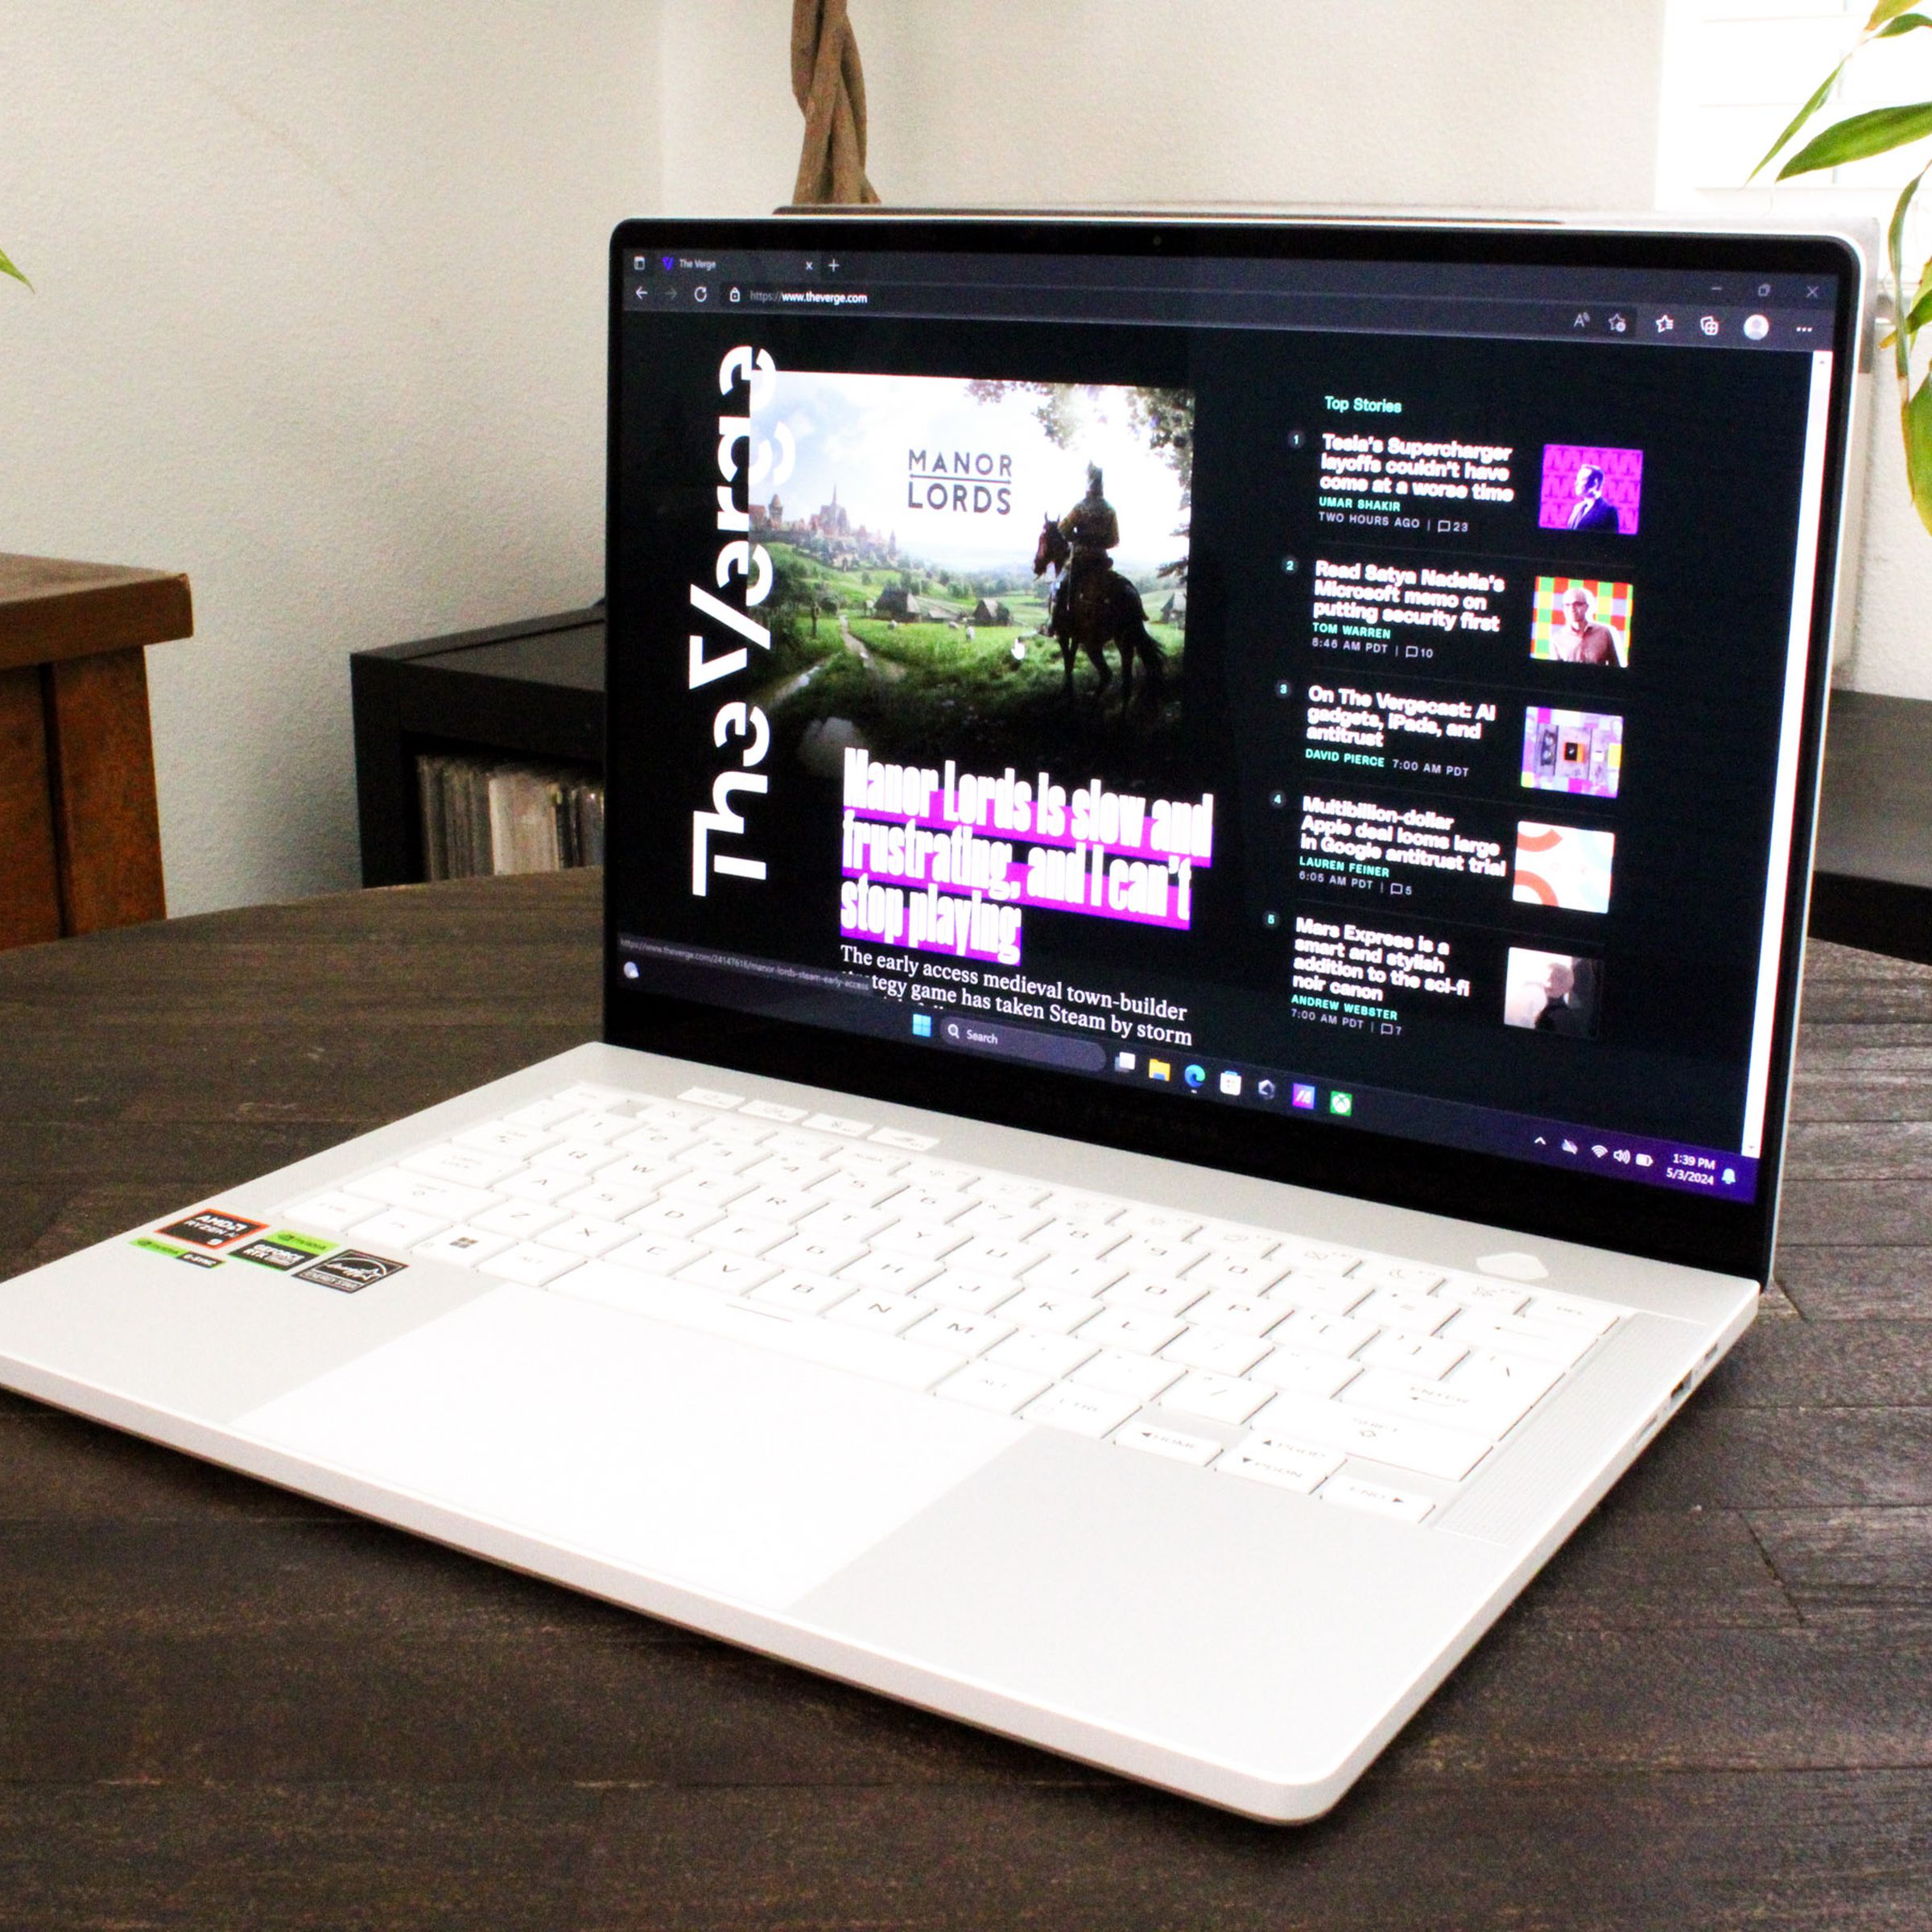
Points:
(155, 1247)
(307, 1243)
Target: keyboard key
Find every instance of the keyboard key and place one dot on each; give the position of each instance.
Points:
(1050, 1311)
(1157, 1440)
(450, 1163)
(1077, 1204)
(1158, 1224)
(461, 1246)
(834, 1123)
(644, 1172)
(712, 1096)
(815, 1255)
(655, 1254)
(786, 1206)
(898, 1273)
(606, 1204)
(938, 1174)
(681, 1220)
(741, 1131)
(1319, 1293)
(1141, 1377)
(1503, 1379)
(1080, 1236)
(1319, 1376)
(789, 1173)
(936, 1206)
(1234, 1314)
(1074, 1274)
(1571, 1311)
(587, 1235)
(668, 1113)
(920, 1240)
(982, 1255)
(1214, 1398)
(710, 1185)
(1155, 1295)
(335, 1210)
(773, 1110)
(1488, 1412)
(998, 1223)
(1226, 1237)
(857, 1225)
(850, 1190)
(395, 1187)
(397, 1227)
(540, 1114)
(1153, 1254)
(1084, 1411)
(519, 1219)
(811, 1293)
(1424, 1447)
(1383, 1273)
(985, 1385)
(1238, 1273)
(716, 1155)
(959, 1332)
(1427, 1358)
(1055, 1356)
(744, 1233)
(1130, 1330)
(1322, 1334)
(655, 1142)
(1510, 1334)
(596, 1125)
(1473, 1291)
(733, 1272)
(898, 1137)
(1208, 1349)
(1005, 1190)
(1266, 1459)
(801, 1145)
(1405, 1311)
(1317, 1257)
(865, 1158)
(541, 1184)
(1353, 1493)
(530, 1264)
(883, 1314)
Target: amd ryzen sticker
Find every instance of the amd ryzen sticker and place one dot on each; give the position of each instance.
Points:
(283, 1250)
(351, 1270)
(174, 1253)
(213, 1228)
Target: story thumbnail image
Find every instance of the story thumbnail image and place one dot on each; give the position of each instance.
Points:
(1587, 486)
(994, 571)
(1559, 993)
(1563, 866)
(1581, 621)
(1575, 751)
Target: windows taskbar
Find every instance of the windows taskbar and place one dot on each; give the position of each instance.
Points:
(849, 1001)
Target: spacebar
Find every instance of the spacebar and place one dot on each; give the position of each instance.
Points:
(881, 1358)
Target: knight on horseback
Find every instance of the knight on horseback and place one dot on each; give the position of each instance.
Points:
(1092, 529)
(1093, 604)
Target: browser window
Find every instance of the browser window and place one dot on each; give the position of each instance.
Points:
(1358, 691)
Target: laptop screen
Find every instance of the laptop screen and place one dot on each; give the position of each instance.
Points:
(1344, 693)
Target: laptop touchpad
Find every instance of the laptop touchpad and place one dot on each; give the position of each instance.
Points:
(747, 1474)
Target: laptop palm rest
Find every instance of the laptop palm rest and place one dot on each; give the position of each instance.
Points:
(743, 1475)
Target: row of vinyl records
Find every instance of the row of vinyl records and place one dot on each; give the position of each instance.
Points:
(484, 815)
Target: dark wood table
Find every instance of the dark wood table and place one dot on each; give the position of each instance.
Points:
(222, 1707)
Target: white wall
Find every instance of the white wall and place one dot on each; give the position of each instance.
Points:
(318, 319)
(1401, 101)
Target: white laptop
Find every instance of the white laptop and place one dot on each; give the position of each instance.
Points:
(1207, 845)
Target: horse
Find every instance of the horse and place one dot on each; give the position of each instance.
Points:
(1102, 608)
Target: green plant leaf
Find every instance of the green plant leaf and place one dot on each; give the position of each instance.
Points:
(1798, 120)
(1860, 136)
(1886, 10)
(1915, 419)
(1904, 24)
(6, 267)
(1895, 249)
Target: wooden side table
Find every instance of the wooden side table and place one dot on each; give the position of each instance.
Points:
(80, 832)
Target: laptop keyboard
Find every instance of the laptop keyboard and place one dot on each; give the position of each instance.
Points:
(1368, 1381)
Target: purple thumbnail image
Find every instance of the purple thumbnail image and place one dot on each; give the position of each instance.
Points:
(1302, 1095)
(1586, 487)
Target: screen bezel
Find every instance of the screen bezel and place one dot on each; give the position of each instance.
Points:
(1733, 1238)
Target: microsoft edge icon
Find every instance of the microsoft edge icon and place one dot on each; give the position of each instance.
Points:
(1195, 1076)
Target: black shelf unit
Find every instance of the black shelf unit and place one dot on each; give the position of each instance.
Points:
(530, 690)
(536, 689)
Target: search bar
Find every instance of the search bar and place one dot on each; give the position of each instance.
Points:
(1023, 1043)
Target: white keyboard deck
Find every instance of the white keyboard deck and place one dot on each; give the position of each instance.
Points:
(1369, 1382)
